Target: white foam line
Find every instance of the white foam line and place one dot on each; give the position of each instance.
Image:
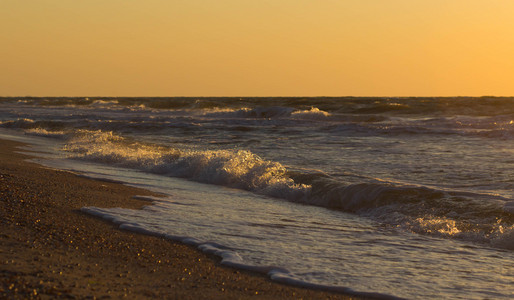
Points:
(231, 258)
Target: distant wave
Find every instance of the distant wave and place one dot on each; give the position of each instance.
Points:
(313, 113)
(449, 106)
(58, 134)
(501, 127)
(25, 123)
(487, 117)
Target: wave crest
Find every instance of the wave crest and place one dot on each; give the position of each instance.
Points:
(314, 114)
(233, 168)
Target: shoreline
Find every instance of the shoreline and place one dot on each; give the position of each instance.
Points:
(50, 249)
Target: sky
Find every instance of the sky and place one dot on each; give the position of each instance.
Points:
(256, 48)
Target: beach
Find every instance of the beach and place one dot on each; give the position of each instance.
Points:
(244, 149)
(232, 198)
(50, 249)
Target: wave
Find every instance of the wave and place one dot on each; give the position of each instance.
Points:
(59, 134)
(69, 124)
(314, 113)
(447, 106)
(379, 107)
(24, 123)
(483, 117)
(500, 127)
(270, 112)
(460, 215)
(19, 123)
(259, 112)
(233, 168)
(104, 103)
(468, 216)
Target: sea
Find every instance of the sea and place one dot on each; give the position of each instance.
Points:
(383, 197)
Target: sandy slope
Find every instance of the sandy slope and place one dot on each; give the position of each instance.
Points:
(49, 249)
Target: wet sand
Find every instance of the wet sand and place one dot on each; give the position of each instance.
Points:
(49, 249)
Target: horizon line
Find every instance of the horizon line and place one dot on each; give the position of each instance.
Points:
(461, 96)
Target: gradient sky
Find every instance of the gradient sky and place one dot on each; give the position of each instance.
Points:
(256, 48)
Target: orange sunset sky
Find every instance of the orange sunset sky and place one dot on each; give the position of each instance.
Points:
(256, 48)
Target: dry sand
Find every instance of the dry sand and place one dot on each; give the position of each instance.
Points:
(49, 249)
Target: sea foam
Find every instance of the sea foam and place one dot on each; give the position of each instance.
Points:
(233, 168)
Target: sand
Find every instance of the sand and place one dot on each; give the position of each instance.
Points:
(49, 249)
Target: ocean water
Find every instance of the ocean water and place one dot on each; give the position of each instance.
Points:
(404, 197)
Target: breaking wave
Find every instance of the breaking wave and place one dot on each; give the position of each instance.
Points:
(479, 218)
(233, 168)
